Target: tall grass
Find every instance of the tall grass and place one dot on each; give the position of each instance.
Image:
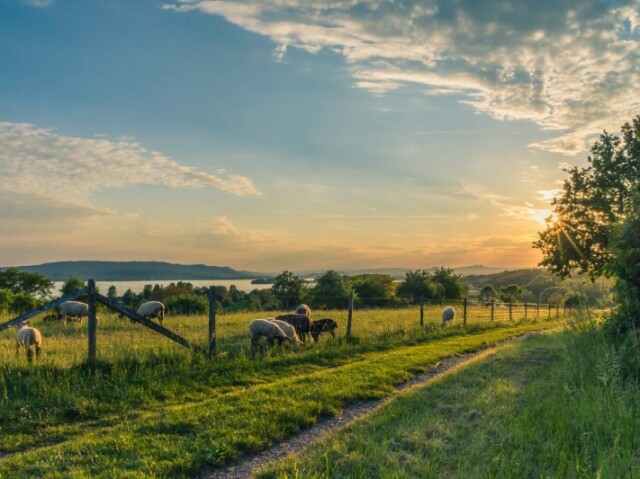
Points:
(551, 406)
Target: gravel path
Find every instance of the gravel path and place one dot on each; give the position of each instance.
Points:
(245, 466)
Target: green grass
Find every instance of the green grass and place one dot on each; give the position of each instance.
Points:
(152, 408)
(550, 406)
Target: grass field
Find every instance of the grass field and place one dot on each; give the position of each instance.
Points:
(550, 406)
(154, 409)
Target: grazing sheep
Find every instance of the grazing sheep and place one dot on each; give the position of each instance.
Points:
(152, 309)
(27, 337)
(448, 314)
(73, 309)
(264, 327)
(287, 329)
(298, 321)
(304, 310)
(327, 325)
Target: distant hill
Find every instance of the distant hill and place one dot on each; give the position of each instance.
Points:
(135, 271)
(399, 273)
(498, 280)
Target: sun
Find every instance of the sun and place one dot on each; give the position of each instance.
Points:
(541, 216)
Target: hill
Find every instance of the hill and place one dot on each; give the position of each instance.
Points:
(134, 271)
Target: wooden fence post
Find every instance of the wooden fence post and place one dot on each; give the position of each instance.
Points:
(464, 314)
(421, 311)
(212, 320)
(350, 315)
(510, 311)
(91, 290)
(493, 304)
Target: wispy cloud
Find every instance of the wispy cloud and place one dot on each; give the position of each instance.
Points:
(39, 3)
(569, 66)
(65, 169)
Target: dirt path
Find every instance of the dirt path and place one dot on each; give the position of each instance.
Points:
(247, 465)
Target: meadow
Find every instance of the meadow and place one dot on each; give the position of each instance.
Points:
(553, 405)
(151, 408)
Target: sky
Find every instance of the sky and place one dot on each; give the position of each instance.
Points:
(272, 135)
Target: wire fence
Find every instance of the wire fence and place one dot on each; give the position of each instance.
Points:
(115, 336)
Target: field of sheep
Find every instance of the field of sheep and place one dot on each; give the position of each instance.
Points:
(153, 408)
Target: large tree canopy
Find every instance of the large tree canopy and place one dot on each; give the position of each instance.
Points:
(594, 200)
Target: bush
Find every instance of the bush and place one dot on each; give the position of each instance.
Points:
(186, 304)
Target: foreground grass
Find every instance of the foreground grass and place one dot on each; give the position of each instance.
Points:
(551, 406)
(212, 412)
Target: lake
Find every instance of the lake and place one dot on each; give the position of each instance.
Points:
(138, 286)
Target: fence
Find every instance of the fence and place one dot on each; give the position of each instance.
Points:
(94, 298)
(203, 333)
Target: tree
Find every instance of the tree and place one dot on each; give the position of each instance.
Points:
(112, 293)
(556, 299)
(71, 285)
(417, 285)
(16, 281)
(289, 289)
(374, 289)
(623, 325)
(595, 198)
(147, 291)
(511, 293)
(23, 302)
(488, 293)
(452, 285)
(331, 291)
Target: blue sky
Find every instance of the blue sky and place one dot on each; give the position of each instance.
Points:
(300, 135)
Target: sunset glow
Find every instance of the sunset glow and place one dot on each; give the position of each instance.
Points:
(275, 134)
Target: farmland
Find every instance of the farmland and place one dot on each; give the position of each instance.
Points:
(153, 408)
(553, 405)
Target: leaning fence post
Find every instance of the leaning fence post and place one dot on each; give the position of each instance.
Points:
(350, 315)
(464, 313)
(493, 303)
(421, 311)
(211, 293)
(91, 290)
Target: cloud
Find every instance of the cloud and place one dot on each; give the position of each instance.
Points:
(39, 3)
(67, 170)
(568, 66)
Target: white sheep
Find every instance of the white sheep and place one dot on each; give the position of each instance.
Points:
(448, 314)
(264, 327)
(304, 310)
(152, 309)
(287, 329)
(73, 309)
(28, 336)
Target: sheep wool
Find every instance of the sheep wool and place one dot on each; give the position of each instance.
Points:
(152, 309)
(265, 328)
(304, 310)
(448, 314)
(287, 329)
(27, 337)
(73, 309)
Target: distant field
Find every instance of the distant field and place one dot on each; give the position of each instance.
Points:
(118, 338)
(154, 408)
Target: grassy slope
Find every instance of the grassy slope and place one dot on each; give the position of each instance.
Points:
(551, 406)
(240, 404)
